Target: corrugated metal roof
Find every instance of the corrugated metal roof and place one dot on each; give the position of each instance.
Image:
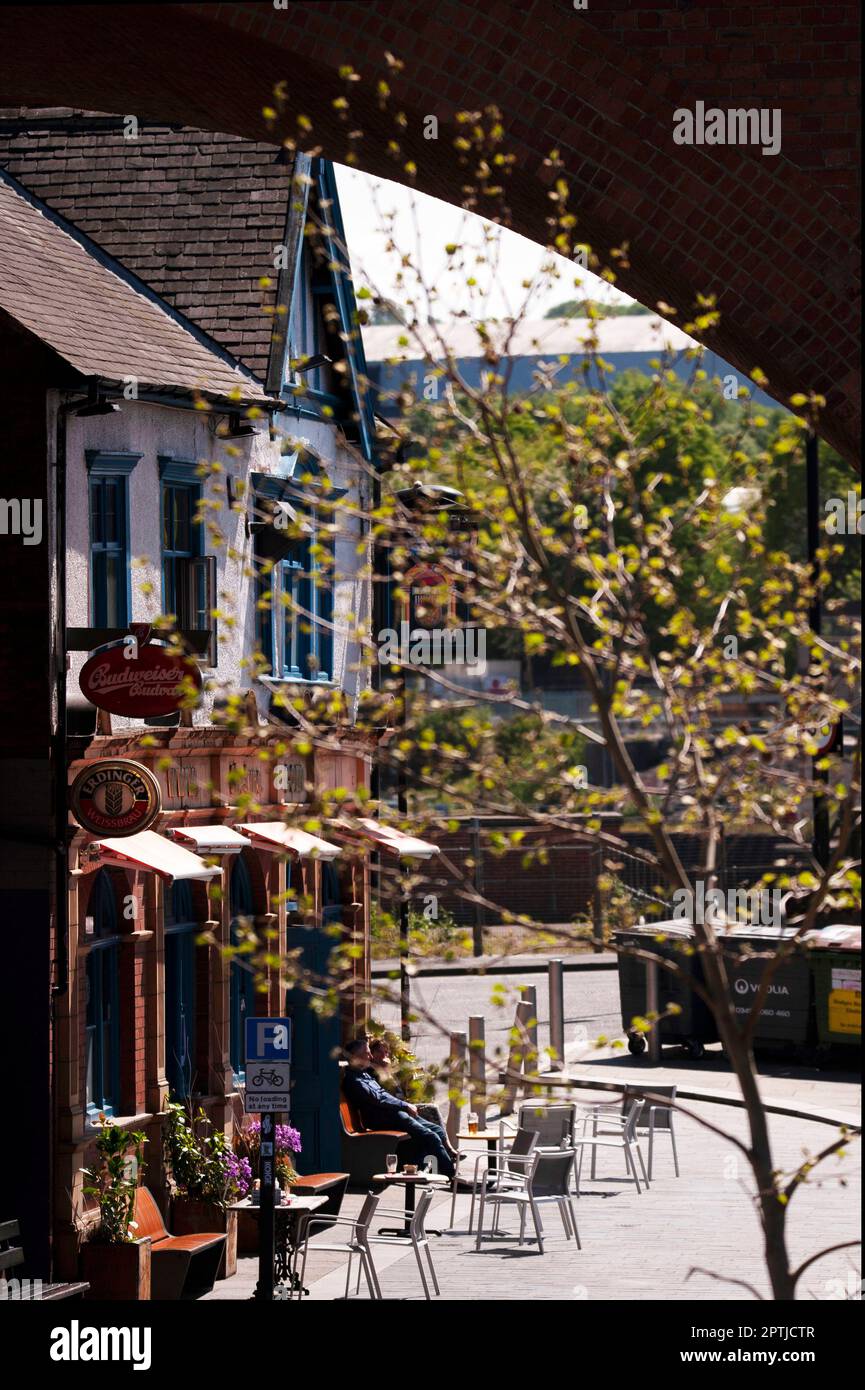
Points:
(96, 315)
(545, 338)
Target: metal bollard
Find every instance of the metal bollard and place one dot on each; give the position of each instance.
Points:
(652, 1008)
(557, 1011)
(529, 996)
(457, 1080)
(477, 1069)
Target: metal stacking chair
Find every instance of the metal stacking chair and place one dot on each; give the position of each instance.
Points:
(417, 1238)
(548, 1180)
(502, 1169)
(621, 1136)
(357, 1243)
(654, 1119)
(554, 1124)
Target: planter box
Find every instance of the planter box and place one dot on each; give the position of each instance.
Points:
(118, 1273)
(192, 1217)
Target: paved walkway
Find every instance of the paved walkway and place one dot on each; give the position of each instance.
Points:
(634, 1247)
(792, 1087)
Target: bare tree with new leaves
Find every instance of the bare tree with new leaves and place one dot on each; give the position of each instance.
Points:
(598, 538)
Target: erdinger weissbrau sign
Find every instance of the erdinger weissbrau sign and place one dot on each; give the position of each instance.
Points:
(115, 796)
(139, 682)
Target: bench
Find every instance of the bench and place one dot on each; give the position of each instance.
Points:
(27, 1290)
(364, 1150)
(181, 1266)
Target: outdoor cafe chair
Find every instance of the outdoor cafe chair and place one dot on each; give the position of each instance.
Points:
(547, 1181)
(554, 1124)
(622, 1136)
(654, 1119)
(502, 1169)
(417, 1238)
(357, 1243)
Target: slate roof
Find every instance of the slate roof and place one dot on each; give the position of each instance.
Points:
(95, 315)
(194, 214)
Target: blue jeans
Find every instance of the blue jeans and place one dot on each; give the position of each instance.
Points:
(428, 1139)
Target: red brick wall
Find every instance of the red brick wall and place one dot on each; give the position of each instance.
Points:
(549, 876)
(774, 238)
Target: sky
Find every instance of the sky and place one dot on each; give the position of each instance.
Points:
(423, 226)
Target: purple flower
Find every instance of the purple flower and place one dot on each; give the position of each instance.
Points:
(287, 1139)
(239, 1174)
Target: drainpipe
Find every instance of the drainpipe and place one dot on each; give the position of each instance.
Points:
(61, 863)
(61, 979)
(812, 492)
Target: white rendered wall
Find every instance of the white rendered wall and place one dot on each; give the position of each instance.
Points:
(154, 431)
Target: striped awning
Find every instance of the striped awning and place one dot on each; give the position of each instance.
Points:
(279, 838)
(149, 850)
(397, 841)
(208, 839)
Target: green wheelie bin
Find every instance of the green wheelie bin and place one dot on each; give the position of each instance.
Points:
(786, 1019)
(694, 1025)
(836, 963)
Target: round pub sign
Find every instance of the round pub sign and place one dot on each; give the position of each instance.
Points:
(115, 797)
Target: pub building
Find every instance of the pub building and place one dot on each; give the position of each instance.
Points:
(110, 350)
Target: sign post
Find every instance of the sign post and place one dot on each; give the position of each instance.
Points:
(266, 1228)
(268, 1068)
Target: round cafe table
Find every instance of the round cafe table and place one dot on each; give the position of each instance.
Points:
(491, 1137)
(291, 1220)
(410, 1181)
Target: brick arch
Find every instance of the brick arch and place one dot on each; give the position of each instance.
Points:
(252, 860)
(772, 237)
(123, 884)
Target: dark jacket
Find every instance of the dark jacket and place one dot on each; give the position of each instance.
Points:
(394, 1089)
(378, 1109)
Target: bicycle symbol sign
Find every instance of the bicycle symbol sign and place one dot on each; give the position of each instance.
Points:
(268, 1074)
(268, 1078)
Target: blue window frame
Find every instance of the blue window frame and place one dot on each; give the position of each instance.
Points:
(305, 605)
(183, 584)
(242, 980)
(110, 584)
(307, 336)
(102, 1015)
(295, 606)
(180, 934)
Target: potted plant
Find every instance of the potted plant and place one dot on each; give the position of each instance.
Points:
(206, 1177)
(115, 1263)
(247, 1151)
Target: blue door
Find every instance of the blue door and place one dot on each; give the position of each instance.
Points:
(315, 1072)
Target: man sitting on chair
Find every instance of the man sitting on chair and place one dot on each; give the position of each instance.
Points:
(379, 1110)
(384, 1071)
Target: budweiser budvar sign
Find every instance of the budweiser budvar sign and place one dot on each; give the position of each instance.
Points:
(139, 681)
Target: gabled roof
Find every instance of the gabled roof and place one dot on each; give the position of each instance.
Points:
(193, 214)
(97, 316)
